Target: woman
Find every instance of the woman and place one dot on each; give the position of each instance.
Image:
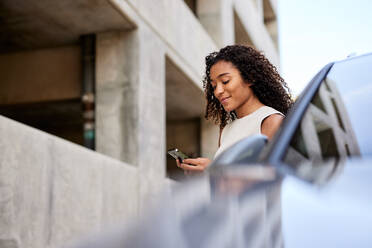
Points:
(245, 96)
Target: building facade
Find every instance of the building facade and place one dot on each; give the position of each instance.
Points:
(122, 78)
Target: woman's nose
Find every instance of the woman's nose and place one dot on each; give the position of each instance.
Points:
(219, 89)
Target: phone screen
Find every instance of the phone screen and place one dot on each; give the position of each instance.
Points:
(177, 154)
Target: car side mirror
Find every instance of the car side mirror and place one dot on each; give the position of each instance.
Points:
(245, 151)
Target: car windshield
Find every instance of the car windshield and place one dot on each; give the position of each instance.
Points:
(337, 121)
(354, 83)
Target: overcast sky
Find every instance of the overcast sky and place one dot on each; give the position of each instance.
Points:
(313, 33)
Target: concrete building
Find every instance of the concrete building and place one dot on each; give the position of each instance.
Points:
(120, 77)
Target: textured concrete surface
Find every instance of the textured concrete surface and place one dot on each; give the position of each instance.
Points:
(151, 122)
(253, 23)
(131, 103)
(177, 27)
(117, 95)
(184, 99)
(217, 18)
(46, 23)
(53, 191)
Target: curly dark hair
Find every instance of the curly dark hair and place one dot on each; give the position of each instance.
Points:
(255, 68)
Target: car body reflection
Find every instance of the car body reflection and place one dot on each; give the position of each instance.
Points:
(258, 206)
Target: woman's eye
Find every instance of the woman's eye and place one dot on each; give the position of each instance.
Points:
(225, 82)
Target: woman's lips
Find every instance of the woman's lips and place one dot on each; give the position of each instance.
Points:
(224, 100)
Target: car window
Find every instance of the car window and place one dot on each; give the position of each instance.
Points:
(337, 122)
(321, 133)
(353, 79)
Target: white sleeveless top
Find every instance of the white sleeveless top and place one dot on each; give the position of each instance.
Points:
(244, 127)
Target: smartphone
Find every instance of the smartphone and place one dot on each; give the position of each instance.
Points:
(177, 154)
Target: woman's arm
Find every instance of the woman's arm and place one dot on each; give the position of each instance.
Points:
(271, 124)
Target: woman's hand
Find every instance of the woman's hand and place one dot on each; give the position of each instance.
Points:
(194, 165)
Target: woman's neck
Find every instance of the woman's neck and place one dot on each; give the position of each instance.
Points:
(249, 107)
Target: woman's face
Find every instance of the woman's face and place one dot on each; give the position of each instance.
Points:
(229, 86)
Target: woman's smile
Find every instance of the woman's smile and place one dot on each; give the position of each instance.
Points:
(224, 100)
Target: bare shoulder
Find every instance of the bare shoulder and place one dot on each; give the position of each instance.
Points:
(271, 124)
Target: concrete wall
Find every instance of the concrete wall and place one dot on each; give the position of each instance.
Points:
(217, 17)
(254, 24)
(175, 25)
(52, 190)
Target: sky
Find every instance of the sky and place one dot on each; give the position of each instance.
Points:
(313, 33)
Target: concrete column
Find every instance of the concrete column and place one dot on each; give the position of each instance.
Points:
(152, 113)
(131, 103)
(117, 95)
(217, 17)
(260, 9)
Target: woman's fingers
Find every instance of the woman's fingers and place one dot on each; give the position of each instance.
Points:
(178, 163)
(189, 167)
(193, 161)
